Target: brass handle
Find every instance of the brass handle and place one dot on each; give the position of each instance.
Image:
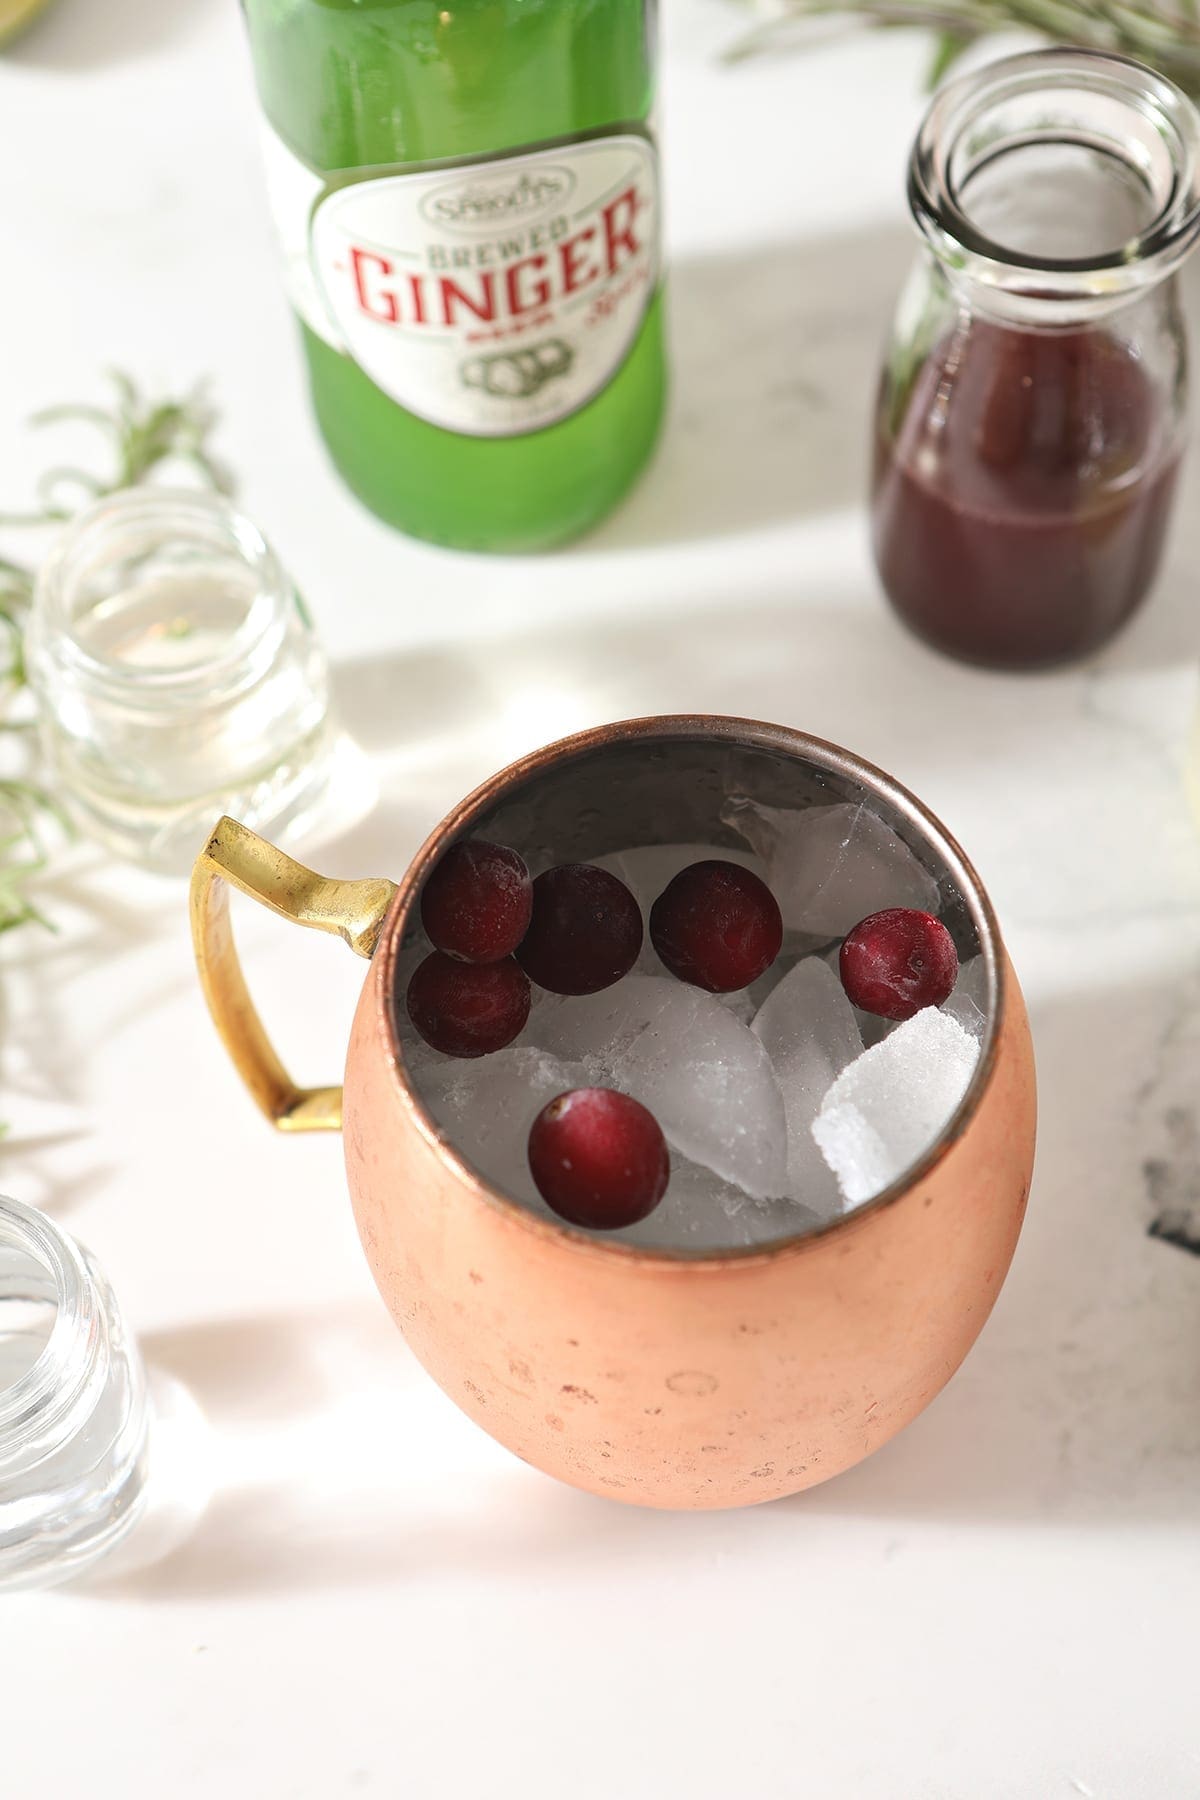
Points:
(236, 857)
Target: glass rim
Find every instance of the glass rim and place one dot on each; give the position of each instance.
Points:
(142, 506)
(49, 1388)
(943, 214)
(796, 745)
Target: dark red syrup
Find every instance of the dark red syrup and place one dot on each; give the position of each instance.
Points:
(1022, 494)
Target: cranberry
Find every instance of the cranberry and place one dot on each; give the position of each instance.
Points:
(717, 926)
(468, 1009)
(897, 962)
(586, 930)
(477, 903)
(599, 1158)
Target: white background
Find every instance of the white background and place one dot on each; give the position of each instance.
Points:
(1003, 1603)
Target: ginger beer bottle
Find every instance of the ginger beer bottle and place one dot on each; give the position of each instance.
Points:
(466, 194)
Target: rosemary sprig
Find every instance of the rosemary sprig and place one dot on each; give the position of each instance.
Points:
(1165, 36)
(26, 812)
(142, 437)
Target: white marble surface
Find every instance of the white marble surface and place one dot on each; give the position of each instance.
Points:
(1002, 1604)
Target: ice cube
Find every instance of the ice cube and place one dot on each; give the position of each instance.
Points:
(648, 869)
(739, 1004)
(830, 866)
(700, 1211)
(870, 1026)
(969, 1001)
(487, 1105)
(808, 1029)
(889, 1105)
(703, 1074)
(746, 1003)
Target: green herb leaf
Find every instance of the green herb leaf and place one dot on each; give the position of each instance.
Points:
(950, 46)
(1166, 36)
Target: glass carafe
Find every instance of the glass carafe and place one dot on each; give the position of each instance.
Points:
(1032, 409)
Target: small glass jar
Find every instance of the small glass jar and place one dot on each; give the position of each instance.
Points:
(74, 1416)
(1032, 409)
(177, 676)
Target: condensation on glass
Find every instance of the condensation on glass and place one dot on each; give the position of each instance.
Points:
(1032, 409)
(177, 677)
(74, 1414)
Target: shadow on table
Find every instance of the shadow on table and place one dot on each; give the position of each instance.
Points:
(340, 1464)
(774, 359)
(774, 356)
(41, 1043)
(1080, 1406)
(335, 1462)
(43, 1037)
(441, 719)
(81, 34)
(27, 1159)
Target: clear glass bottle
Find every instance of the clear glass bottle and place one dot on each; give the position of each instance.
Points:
(74, 1415)
(177, 677)
(1032, 409)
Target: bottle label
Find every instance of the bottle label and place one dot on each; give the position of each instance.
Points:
(490, 298)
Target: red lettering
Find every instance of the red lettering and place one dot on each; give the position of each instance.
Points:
(619, 218)
(452, 295)
(576, 273)
(380, 305)
(521, 292)
(538, 292)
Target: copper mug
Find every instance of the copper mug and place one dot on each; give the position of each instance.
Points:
(672, 1379)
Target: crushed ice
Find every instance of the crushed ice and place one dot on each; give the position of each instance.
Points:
(776, 1115)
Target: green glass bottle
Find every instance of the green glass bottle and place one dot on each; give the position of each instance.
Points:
(467, 200)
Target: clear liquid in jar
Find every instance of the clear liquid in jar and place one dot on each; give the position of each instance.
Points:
(169, 622)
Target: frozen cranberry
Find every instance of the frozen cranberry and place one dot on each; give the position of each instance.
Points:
(898, 961)
(467, 1009)
(599, 1158)
(586, 930)
(476, 904)
(717, 926)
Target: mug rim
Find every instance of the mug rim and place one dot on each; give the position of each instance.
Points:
(753, 734)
